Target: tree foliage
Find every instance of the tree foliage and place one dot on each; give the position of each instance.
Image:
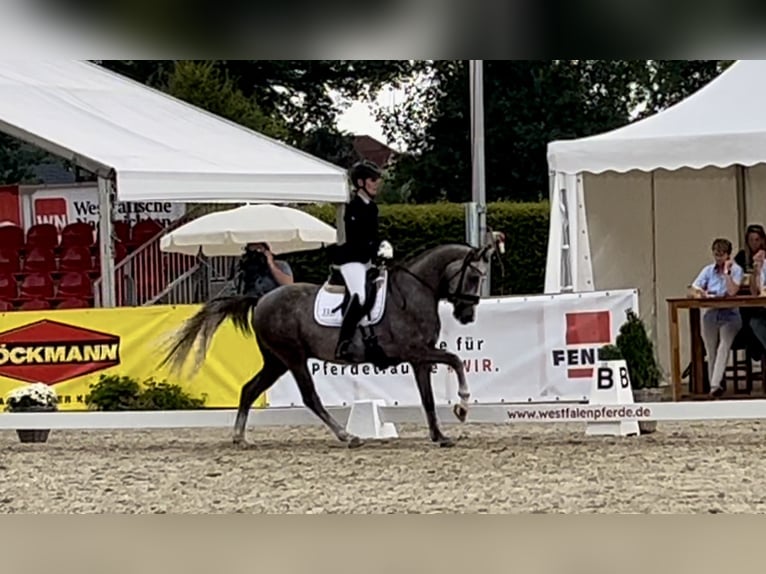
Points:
(526, 105)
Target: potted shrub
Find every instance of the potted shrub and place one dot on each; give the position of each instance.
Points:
(37, 397)
(643, 367)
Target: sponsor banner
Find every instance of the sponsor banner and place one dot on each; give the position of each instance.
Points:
(520, 349)
(63, 205)
(70, 349)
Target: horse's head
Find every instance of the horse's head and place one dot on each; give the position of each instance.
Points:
(464, 278)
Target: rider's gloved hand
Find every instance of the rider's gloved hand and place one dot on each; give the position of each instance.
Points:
(385, 251)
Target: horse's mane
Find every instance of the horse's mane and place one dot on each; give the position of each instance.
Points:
(418, 257)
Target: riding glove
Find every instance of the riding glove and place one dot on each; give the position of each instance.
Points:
(385, 250)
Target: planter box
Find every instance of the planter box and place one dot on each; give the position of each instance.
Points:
(649, 395)
(34, 435)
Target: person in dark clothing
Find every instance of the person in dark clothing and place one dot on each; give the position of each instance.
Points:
(755, 241)
(361, 246)
(258, 272)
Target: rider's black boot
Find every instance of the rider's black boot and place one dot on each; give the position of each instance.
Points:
(350, 321)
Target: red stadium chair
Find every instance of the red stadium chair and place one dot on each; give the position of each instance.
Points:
(75, 284)
(9, 260)
(144, 230)
(12, 236)
(9, 288)
(42, 235)
(78, 233)
(5, 306)
(37, 286)
(39, 259)
(73, 303)
(35, 305)
(76, 258)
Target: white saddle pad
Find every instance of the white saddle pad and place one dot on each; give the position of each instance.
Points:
(328, 299)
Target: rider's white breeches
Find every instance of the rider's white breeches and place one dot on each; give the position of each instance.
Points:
(355, 276)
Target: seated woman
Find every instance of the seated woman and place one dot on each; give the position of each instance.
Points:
(755, 241)
(721, 278)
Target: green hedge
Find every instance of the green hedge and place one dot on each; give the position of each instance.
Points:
(413, 228)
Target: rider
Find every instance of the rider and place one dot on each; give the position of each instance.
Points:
(354, 257)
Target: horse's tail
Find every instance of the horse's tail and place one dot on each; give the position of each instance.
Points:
(205, 323)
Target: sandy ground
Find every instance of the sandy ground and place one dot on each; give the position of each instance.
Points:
(684, 467)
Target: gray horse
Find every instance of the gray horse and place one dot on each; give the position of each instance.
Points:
(288, 334)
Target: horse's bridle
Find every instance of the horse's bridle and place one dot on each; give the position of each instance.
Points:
(457, 295)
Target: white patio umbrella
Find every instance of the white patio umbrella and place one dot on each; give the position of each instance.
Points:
(285, 229)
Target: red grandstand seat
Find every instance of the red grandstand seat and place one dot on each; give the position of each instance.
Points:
(121, 230)
(5, 306)
(75, 284)
(76, 258)
(42, 235)
(9, 288)
(77, 233)
(12, 236)
(36, 285)
(39, 259)
(9, 260)
(73, 303)
(35, 305)
(144, 230)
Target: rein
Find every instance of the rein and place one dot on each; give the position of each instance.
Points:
(453, 297)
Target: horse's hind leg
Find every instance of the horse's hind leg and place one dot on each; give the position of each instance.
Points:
(272, 369)
(313, 402)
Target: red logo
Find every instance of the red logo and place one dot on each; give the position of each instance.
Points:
(51, 210)
(51, 352)
(585, 332)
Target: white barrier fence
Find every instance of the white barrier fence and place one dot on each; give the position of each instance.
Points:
(609, 411)
(487, 414)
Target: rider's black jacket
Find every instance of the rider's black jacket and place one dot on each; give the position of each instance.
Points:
(362, 241)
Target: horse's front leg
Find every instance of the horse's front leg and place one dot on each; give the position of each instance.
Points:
(463, 393)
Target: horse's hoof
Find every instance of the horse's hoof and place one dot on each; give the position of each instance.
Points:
(239, 442)
(460, 412)
(355, 442)
(446, 442)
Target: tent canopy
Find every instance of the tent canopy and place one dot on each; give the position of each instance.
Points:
(158, 147)
(720, 125)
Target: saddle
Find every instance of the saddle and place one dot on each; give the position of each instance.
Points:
(333, 299)
(336, 284)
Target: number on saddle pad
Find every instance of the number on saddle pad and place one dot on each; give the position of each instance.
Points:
(328, 305)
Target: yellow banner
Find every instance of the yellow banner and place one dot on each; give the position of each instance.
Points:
(70, 349)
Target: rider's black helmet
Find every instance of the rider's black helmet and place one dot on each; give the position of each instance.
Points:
(364, 169)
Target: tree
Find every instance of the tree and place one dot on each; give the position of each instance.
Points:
(527, 104)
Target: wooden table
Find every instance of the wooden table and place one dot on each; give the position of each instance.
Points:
(694, 306)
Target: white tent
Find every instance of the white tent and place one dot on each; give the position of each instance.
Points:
(639, 206)
(159, 147)
(150, 146)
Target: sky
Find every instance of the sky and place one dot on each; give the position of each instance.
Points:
(358, 118)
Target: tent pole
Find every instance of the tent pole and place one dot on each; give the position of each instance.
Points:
(476, 76)
(340, 226)
(106, 251)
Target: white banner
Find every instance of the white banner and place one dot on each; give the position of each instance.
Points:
(63, 205)
(538, 348)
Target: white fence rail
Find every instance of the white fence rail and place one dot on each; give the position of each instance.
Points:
(486, 414)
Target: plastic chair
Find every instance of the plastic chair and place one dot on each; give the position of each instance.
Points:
(9, 288)
(40, 259)
(12, 236)
(144, 230)
(73, 303)
(77, 234)
(37, 285)
(9, 260)
(35, 305)
(6, 306)
(42, 235)
(76, 258)
(75, 284)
